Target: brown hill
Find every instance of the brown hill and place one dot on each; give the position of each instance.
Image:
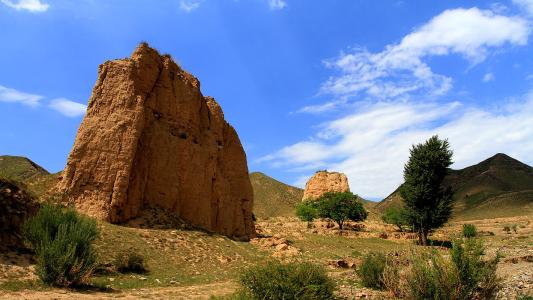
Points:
(499, 186)
(36, 179)
(273, 198)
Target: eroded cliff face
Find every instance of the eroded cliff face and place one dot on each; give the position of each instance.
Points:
(323, 182)
(151, 139)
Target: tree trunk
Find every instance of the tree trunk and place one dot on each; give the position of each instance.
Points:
(423, 237)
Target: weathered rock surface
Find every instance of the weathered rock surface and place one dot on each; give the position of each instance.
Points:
(16, 206)
(151, 139)
(324, 181)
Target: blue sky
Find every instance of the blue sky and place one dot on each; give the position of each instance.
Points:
(341, 85)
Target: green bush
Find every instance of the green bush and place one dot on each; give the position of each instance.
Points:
(396, 216)
(507, 229)
(62, 240)
(287, 281)
(524, 297)
(371, 270)
(477, 276)
(469, 230)
(130, 262)
(462, 277)
(430, 276)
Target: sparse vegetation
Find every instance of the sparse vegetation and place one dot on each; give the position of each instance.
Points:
(469, 230)
(371, 270)
(63, 241)
(477, 277)
(286, 281)
(397, 217)
(430, 275)
(428, 205)
(130, 262)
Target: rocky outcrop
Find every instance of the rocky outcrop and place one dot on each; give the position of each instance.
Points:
(324, 181)
(16, 206)
(151, 139)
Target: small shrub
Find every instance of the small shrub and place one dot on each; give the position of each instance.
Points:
(524, 297)
(469, 230)
(464, 276)
(507, 229)
(286, 281)
(130, 262)
(62, 240)
(477, 277)
(514, 227)
(430, 276)
(371, 270)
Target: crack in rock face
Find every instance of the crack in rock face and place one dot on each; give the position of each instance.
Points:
(151, 139)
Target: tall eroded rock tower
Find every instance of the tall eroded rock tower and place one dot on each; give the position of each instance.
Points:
(323, 182)
(151, 139)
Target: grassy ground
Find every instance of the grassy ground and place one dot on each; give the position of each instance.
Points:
(188, 262)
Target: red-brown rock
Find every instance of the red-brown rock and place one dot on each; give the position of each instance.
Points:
(151, 139)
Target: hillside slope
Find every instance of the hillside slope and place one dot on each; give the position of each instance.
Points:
(499, 186)
(273, 198)
(21, 169)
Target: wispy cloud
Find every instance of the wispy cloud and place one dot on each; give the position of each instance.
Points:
(385, 107)
(34, 6)
(190, 5)
(12, 95)
(277, 4)
(401, 69)
(64, 106)
(488, 77)
(372, 145)
(68, 108)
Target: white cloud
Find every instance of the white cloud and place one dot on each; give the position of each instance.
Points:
(190, 5)
(68, 108)
(12, 95)
(277, 4)
(400, 69)
(488, 77)
(372, 145)
(527, 5)
(34, 6)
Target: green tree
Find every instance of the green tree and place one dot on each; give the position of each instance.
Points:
(340, 207)
(396, 216)
(307, 211)
(427, 203)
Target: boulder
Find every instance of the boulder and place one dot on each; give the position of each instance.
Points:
(151, 139)
(323, 182)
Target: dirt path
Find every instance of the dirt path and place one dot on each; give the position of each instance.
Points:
(203, 291)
